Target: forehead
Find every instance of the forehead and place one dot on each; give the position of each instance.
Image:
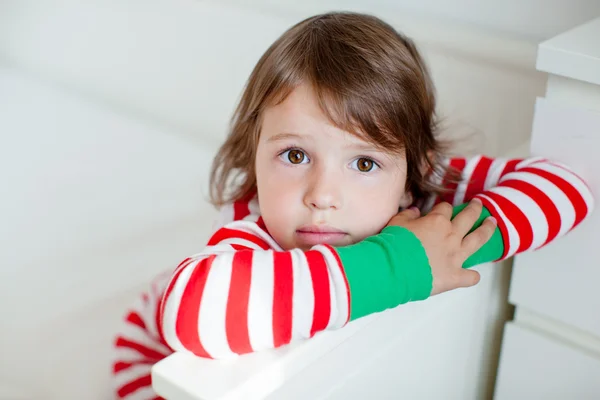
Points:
(301, 114)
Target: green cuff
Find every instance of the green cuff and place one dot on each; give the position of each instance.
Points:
(386, 270)
(492, 250)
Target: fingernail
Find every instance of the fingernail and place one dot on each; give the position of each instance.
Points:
(414, 208)
(476, 200)
(493, 220)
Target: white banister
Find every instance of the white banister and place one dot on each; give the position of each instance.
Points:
(551, 348)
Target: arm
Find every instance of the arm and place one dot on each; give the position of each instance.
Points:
(242, 294)
(535, 201)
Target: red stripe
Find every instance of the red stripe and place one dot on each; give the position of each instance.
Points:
(140, 348)
(543, 201)
(501, 224)
(240, 207)
(226, 233)
(161, 306)
(320, 283)
(572, 173)
(186, 325)
(186, 261)
(283, 294)
(518, 219)
(134, 318)
(569, 190)
(121, 365)
(477, 179)
(237, 303)
(261, 224)
(456, 164)
(510, 166)
(158, 321)
(134, 385)
(341, 268)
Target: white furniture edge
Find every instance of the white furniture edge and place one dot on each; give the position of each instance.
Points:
(573, 64)
(254, 376)
(573, 54)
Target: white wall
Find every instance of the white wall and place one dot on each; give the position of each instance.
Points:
(535, 20)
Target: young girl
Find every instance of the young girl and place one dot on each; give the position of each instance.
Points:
(334, 134)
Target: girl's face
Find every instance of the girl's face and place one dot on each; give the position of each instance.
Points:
(319, 184)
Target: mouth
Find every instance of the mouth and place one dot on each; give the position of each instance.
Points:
(312, 235)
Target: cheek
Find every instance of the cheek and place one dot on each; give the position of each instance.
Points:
(279, 195)
(372, 209)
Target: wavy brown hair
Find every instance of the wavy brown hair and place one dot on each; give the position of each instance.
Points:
(369, 80)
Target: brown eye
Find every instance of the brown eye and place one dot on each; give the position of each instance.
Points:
(296, 156)
(365, 164)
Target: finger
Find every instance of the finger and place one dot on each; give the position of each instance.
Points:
(467, 278)
(443, 208)
(409, 214)
(464, 220)
(476, 239)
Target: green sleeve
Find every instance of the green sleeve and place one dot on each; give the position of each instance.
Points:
(392, 268)
(385, 270)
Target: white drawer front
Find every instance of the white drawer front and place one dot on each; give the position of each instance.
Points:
(560, 280)
(534, 366)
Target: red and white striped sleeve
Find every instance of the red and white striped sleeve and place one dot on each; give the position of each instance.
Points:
(535, 200)
(243, 294)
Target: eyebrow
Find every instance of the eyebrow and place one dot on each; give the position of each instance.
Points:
(284, 135)
(355, 146)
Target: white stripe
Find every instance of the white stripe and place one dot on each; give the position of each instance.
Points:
(494, 173)
(513, 235)
(529, 161)
(225, 216)
(134, 333)
(534, 214)
(254, 209)
(241, 242)
(334, 308)
(183, 266)
(338, 291)
(260, 302)
(570, 177)
(467, 178)
(130, 374)
(213, 308)
(126, 354)
(303, 301)
(253, 229)
(557, 196)
(217, 249)
(171, 307)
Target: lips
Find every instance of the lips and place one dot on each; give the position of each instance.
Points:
(312, 235)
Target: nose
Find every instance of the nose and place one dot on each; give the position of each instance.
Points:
(324, 190)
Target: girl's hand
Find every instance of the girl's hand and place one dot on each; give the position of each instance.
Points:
(448, 242)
